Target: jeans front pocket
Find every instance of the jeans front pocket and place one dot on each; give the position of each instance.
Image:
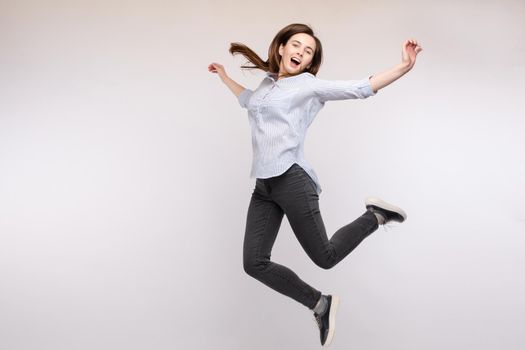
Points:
(311, 182)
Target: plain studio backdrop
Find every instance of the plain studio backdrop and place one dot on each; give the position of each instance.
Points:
(124, 176)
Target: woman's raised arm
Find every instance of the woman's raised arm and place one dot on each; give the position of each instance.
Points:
(230, 83)
(409, 52)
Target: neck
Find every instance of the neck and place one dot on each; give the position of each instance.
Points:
(284, 75)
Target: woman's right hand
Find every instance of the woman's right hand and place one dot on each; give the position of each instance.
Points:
(217, 68)
(409, 52)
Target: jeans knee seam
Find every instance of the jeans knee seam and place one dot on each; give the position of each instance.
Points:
(318, 228)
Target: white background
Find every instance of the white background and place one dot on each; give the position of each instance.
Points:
(124, 179)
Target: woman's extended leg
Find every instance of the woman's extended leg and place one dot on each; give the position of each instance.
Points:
(264, 219)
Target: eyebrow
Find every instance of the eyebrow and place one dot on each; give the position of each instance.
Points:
(301, 43)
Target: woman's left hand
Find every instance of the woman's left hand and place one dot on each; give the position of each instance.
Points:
(409, 52)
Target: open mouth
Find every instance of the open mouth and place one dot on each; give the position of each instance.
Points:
(294, 63)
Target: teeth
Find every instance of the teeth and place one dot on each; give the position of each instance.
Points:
(296, 60)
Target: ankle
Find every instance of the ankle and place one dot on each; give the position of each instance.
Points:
(380, 218)
(321, 305)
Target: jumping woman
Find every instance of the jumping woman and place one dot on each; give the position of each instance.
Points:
(280, 110)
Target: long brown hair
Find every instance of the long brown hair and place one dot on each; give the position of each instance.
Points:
(273, 61)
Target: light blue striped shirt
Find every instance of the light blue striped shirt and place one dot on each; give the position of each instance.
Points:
(280, 112)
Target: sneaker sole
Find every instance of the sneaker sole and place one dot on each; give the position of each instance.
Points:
(331, 320)
(382, 204)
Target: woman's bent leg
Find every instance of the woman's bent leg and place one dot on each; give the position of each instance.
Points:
(264, 219)
(301, 206)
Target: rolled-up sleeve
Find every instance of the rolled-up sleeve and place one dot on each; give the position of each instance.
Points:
(327, 90)
(244, 96)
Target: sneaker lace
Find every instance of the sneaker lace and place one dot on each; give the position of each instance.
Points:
(317, 319)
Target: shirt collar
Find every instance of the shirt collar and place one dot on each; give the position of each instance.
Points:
(273, 76)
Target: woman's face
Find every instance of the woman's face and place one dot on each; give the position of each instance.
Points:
(301, 47)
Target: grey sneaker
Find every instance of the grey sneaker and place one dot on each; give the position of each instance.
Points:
(388, 211)
(326, 320)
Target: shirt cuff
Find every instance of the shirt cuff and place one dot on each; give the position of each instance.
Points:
(367, 87)
(243, 97)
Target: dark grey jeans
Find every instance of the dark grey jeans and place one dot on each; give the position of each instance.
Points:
(293, 193)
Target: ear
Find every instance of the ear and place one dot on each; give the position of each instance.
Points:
(281, 48)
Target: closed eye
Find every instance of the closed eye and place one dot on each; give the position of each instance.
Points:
(295, 45)
(308, 52)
